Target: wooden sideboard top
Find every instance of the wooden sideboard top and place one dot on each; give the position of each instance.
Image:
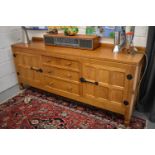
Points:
(101, 53)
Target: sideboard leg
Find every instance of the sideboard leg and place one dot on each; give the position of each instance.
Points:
(126, 122)
(128, 115)
(127, 119)
(21, 86)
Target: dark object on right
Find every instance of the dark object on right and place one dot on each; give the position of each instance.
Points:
(147, 98)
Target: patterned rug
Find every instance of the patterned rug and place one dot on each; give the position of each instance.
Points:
(35, 109)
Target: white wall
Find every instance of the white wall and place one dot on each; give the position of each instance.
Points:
(141, 33)
(8, 35)
(140, 37)
(36, 33)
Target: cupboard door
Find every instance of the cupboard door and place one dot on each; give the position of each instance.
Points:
(28, 68)
(108, 83)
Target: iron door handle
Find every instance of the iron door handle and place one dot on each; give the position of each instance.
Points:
(36, 69)
(82, 79)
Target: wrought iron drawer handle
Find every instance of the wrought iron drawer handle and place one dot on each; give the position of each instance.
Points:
(36, 69)
(49, 61)
(51, 84)
(50, 72)
(69, 64)
(69, 88)
(84, 80)
(69, 76)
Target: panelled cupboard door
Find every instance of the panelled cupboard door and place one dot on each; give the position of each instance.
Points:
(28, 67)
(108, 83)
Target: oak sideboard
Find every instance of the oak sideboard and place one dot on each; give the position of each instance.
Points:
(99, 78)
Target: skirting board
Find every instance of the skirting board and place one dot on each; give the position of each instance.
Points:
(9, 93)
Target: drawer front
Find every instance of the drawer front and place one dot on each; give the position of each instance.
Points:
(61, 73)
(62, 85)
(53, 61)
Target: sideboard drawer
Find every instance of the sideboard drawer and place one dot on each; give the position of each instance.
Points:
(62, 85)
(61, 73)
(61, 62)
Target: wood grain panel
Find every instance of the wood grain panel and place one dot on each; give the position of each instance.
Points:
(117, 78)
